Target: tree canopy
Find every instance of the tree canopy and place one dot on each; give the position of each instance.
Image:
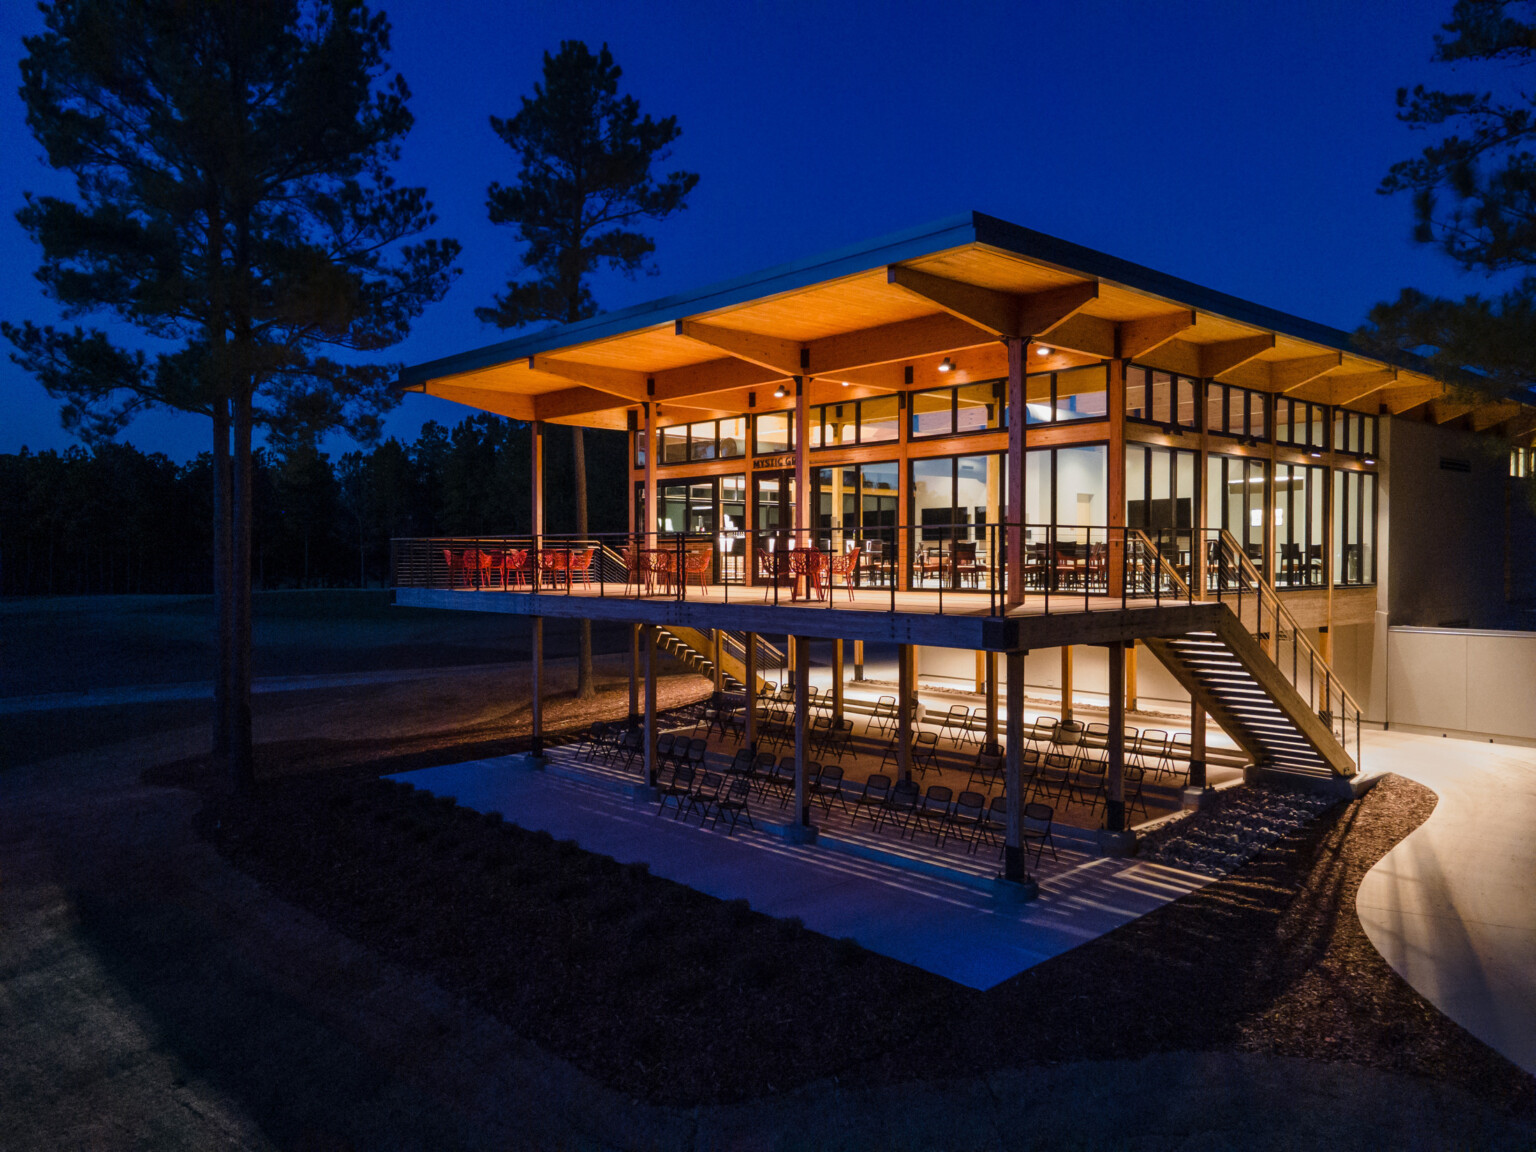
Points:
(586, 179)
(1474, 196)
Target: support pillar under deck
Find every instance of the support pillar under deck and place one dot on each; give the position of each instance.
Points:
(1013, 850)
(536, 655)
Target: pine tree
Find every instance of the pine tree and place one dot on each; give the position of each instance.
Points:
(233, 203)
(586, 178)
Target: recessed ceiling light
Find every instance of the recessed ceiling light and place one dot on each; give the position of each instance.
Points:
(1042, 350)
(845, 383)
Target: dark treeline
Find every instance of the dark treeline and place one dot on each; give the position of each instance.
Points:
(113, 519)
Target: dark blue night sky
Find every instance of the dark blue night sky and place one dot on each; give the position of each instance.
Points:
(1238, 145)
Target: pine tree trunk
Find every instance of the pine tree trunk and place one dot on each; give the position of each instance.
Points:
(222, 597)
(586, 686)
(242, 771)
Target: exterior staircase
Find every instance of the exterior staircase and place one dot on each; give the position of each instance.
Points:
(696, 649)
(1259, 677)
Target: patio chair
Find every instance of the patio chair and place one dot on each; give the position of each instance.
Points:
(632, 746)
(676, 791)
(1094, 746)
(597, 735)
(703, 798)
(819, 732)
(762, 772)
(664, 744)
(782, 782)
(554, 565)
(1180, 748)
(840, 739)
(493, 560)
(1036, 829)
(812, 774)
(842, 566)
(1088, 783)
(932, 812)
(1042, 735)
(900, 805)
(883, 717)
(957, 724)
(734, 804)
(989, 769)
(925, 751)
(965, 819)
(456, 567)
(994, 823)
(1152, 751)
(1054, 775)
(741, 764)
(696, 564)
(827, 787)
(871, 801)
(581, 565)
(698, 752)
(1134, 778)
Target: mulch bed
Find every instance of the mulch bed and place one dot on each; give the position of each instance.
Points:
(679, 998)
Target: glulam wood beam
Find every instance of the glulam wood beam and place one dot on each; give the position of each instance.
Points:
(1399, 398)
(1447, 408)
(772, 352)
(623, 382)
(1224, 355)
(1289, 375)
(509, 404)
(1358, 385)
(1486, 416)
(1135, 338)
(1010, 315)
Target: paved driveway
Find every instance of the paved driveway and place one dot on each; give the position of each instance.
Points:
(1453, 907)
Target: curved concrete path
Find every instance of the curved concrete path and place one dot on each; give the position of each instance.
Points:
(1453, 907)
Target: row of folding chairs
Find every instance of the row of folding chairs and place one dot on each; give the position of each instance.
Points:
(713, 796)
(969, 817)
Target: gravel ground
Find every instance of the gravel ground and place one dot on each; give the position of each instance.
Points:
(1236, 827)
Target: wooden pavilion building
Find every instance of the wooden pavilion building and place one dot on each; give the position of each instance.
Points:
(975, 437)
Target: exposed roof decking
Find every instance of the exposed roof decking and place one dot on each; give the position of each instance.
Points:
(842, 316)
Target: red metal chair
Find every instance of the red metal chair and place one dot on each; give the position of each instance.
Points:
(515, 567)
(581, 563)
(455, 562)
(845, 565)
(493, 560)
(555, 564)
(696, 563)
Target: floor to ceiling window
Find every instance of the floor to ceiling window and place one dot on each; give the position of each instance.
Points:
(1160, 499)
(856, 507)
(1354, 527)
(1299, 507)
(955, 503)
(1236, 502)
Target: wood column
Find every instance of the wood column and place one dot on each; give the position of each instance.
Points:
(802, 729)
(802, 464)
(1066, 683)
(648, 643)
(792, 658)
(858, 659)
(1196, 745)
(904, 688)
(1330, 477)
(981, 672)
(537, 659)
(1013, 562)
(1013, 850)
(536, 498)
(1131, 697)
(837, 681)
(991, 697)
(634, 675)
(719, 652)
(649, 504)
(1114, 812)
(1115, 512)
(750, 719)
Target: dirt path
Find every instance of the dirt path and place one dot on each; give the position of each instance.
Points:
(151, 996)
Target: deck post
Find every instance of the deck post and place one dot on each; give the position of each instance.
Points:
(648, 504)
(536, 747)
(634, 675)
(1115, 544)
(803, 468)
(981, 672)
(858, 659)
(904, 694)
(648, 642)
(719, 661)
(991, 697)
(749, 659)
(1013, 851)
(802, 733)
(792, 659)
(1131, 697)
(1196, 745)
(1013, 537)
(1114, 808)
(837, 681)
(1066, 684)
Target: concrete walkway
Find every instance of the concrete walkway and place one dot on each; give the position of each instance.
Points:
(943, 927)
(1453, 907)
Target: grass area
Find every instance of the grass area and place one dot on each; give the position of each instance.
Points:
(676, 997)
(69, 644)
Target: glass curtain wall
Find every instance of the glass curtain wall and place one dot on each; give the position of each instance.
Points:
(1066, 497)
(1299, 495)
(856, 507)
(1354, 527)
(953, 500)
(713, 507)
(1160, 499)
(1235, 502)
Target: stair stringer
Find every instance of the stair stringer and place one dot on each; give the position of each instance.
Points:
(1250, 653)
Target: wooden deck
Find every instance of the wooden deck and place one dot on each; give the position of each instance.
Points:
(955, 620)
